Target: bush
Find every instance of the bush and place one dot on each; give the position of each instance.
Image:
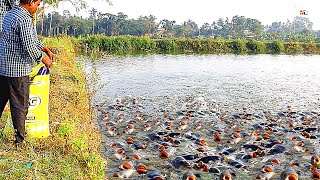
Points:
(293, 47)
(310, 47)
(166, 44)
(239, 46)
(120, 43)
(255, 46)
(276, 47)
(127, 44)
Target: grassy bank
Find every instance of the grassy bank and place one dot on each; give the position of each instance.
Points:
(73, 151)
(119, 44)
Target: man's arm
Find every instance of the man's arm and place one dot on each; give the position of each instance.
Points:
(29, 40)
(31, 44)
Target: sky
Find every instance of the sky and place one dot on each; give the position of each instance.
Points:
(202, 11)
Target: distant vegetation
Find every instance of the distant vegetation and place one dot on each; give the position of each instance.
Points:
(298, 30)
(127, 44)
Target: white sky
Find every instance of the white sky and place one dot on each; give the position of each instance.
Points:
(202, 11)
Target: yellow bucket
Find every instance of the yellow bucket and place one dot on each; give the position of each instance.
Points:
(37, 121)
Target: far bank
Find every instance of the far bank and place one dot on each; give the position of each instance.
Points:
(129, 44)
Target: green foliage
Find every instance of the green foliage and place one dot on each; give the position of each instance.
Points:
(54, 23)
(276, 47)
(93, 163)
(239, 46)
(293, 47)
(6, 127)
(65, 129)
(119, 43)
(165, 44)
(141, 43)
(95, 42)
(255, 46)
(79, 143)
(221, 45)
(310, 47)
(61, 43)
(129, 44)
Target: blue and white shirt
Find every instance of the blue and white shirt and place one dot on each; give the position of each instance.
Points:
(4, 8)
(20, 47)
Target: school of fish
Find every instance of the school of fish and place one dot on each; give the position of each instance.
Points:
(196, 139)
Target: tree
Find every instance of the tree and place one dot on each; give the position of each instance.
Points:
(302, 24)
(120, 24)
(168, 27)
(78, 4)
(93, 13)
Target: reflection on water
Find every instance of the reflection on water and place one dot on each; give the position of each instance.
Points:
(259, 81)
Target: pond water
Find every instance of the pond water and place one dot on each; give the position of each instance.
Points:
(258, 81)
(190, 99)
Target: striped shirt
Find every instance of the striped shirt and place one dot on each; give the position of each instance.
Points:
(4, 8)
(20, 47)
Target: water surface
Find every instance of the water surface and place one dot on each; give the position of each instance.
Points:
(259, 81)
(212, 87)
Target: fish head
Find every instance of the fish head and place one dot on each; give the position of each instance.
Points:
(315, 175)
(267, 169)
(225, 176)
(125, 166)
(292, 177)
(164, 155)
(315, 160)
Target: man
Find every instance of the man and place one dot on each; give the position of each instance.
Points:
(5, 6)
(19, 50)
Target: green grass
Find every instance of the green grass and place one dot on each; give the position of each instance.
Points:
(133, 44)
(73, 150)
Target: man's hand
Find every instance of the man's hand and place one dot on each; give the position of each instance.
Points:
(49, 53)
(46, 61)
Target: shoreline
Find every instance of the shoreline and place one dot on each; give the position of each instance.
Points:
(73, 150)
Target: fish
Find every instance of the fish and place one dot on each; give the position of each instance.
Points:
(192, 156)
(315, 175)
(208, 159)
(189, 176)
(129, 129)
(266, 172)
(214, 170)
(315, 161)
(299, 147)
(225, 176)
(164, 154)
(142, 169)
(234, 138)
(119, 153)
(180, 162)
(289, 174)
(277, 149)
(139, 145)
(198, 138)
(112, 131)
(126, 170)
(155, 176)
(182, 125)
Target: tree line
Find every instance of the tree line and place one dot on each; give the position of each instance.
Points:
(53, 24)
